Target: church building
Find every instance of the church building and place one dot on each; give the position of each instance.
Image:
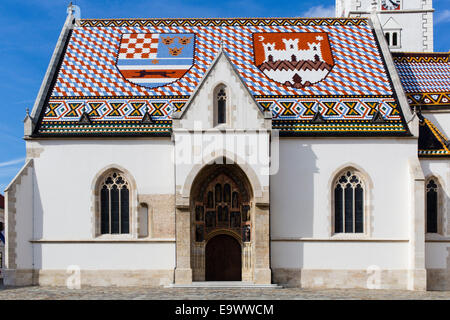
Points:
(301, 152)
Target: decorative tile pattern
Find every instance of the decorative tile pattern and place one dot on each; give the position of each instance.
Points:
(90, 78)
(425, 78)
(432, 143)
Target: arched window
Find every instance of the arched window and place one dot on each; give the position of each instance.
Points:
(432, 207)
(349, 203)
(220, 115)
(114, 204)
(394, 39)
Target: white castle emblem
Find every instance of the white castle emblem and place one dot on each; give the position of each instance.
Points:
(292, 52)
(292, 66)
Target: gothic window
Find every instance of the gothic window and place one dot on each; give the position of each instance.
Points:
(114, 205)
(349, 203)
(221, 105)
(432, 196)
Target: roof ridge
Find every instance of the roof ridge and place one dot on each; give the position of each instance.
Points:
(230, 18)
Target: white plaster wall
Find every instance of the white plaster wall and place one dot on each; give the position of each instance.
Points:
(101, 256)
(65, 173)
(417, 25)
(411, 33)
(339, 255)
(24, 220)
(64, 176)
(436, 253)
(301, 199)
(247, 149)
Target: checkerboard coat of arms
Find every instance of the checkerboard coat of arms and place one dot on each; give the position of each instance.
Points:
(295, 60)
(154, 59)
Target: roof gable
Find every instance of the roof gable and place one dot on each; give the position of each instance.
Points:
(117, 70)
(391, 24)
(432, 143)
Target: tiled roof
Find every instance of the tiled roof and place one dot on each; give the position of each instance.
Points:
(342, 89)
(432, 143)
(425, 78)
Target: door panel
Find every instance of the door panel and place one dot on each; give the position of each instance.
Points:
(223, 259)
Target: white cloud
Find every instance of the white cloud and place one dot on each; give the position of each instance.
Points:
(320, 12)
(11, 162)
(443, 16)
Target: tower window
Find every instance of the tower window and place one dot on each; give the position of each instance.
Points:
(394, 39)
(388, 38)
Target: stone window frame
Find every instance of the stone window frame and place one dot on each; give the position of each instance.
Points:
(368, 200)
(228, 110)
(96, 210)
(440, 207)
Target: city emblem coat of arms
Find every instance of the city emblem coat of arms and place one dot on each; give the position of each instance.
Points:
(155, 59)
(295, 60)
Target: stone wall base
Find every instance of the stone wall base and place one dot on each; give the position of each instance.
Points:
(19, 277)
(438, 279)
(102, 278)
(341, 279)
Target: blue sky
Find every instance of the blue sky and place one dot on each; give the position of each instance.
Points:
(29, 30)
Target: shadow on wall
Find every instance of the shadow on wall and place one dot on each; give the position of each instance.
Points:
(38, 224)
(292, 192)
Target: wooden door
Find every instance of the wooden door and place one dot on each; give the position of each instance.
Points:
(223, 259)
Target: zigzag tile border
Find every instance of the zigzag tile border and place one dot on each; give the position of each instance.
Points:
(220, 22)
(420, 99)
(111, 109)
(331, 108)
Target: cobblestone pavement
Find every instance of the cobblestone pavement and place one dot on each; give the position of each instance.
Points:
(115, 293)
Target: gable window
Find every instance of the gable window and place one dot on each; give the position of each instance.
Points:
(114, 205)
(220, 105)
(432, 207)
(349, 203)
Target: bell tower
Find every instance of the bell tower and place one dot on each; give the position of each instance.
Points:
(407, 24)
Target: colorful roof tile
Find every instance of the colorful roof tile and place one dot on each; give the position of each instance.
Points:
(117, 70)
(432, 143)
(425, 78)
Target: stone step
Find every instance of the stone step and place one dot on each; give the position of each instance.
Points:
(224, 285)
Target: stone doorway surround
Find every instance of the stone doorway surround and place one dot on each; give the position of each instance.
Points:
(190, 262)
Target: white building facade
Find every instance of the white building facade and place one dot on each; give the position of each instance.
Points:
(407, 24)
(165, 152)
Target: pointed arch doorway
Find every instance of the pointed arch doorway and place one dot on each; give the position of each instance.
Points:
(221, 245)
